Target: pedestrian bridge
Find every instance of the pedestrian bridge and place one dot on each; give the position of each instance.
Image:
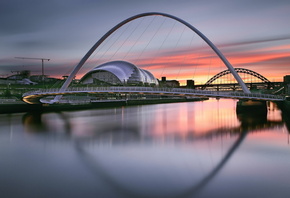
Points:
(34, 97)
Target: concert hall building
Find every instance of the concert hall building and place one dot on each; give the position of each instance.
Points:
(118, 73)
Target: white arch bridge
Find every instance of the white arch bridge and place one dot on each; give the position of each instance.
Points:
(35, 96)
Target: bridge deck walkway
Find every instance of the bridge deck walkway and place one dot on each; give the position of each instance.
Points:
(152, 90)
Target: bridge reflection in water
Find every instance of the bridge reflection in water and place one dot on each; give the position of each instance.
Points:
(136, 151)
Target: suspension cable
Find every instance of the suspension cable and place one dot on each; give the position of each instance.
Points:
(138, 38)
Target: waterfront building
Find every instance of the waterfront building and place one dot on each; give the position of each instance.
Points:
(21, 78)
(119, 73)
(168, 83)
(24, 78)
(287, 84)
(43, 78)
(190, 84)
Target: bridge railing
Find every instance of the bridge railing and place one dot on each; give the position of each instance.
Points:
(257, 95)
(55, 91)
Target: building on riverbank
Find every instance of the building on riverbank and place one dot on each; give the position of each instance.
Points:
(287, 84)
(119, 73)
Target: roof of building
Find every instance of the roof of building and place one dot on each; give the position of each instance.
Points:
(126, 72)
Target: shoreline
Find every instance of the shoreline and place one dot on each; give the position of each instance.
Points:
(21, 107)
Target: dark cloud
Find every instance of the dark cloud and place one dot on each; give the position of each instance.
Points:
(68, 28)
(18, 16)
(259, 4)
(257, 40)
(206, 49)
(33, 44)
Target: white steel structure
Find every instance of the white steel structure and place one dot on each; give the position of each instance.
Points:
(119, 73)
(104, 37)
(35, 96)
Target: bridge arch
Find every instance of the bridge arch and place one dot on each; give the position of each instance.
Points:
(105, 36)
(238, 70)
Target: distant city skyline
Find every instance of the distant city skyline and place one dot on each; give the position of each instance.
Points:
(251, 34)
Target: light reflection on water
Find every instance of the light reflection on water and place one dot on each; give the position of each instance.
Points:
(196, 149)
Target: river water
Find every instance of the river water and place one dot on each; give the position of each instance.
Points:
(194, 149)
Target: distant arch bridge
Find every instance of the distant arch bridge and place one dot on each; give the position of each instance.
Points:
(238, 70)
(259, 81)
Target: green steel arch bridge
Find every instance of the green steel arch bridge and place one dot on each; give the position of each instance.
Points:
(262, 81)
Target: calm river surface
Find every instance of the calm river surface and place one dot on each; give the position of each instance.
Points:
(194, 149)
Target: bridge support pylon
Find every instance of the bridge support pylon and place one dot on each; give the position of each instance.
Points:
(251, 106)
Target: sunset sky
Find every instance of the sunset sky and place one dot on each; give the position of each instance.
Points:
(252, 34)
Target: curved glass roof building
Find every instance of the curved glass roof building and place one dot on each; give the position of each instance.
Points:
(119, 73)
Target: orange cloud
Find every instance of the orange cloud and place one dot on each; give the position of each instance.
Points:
(272, 62)
(201, 63)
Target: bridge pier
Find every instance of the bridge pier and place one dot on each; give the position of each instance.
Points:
(251, 106)
(250, 120)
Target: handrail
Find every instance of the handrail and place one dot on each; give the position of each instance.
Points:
(161, 90)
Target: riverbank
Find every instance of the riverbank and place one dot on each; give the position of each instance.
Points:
(19, 106)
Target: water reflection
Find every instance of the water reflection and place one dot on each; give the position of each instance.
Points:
(33, 123)
(286, 119)
(125, 124)
(167, 150)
